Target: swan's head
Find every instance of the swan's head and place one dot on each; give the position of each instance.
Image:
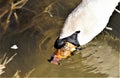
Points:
(59, 43)
(65, 47)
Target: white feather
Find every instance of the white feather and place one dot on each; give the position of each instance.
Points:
(14, 47)
(90, 18)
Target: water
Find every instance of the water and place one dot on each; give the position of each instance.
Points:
(35, 37)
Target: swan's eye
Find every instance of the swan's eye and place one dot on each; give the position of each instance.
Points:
(59, 43)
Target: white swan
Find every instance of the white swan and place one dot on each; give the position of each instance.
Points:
(90, 17)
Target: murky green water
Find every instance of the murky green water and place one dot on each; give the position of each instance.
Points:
(35, 36)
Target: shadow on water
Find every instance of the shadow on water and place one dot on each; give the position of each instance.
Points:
(36, 36)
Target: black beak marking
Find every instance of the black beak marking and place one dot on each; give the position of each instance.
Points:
(59, 43)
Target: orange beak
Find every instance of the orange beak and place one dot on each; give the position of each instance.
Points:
(63, 53)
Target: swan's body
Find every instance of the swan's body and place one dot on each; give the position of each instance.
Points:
(90, 18)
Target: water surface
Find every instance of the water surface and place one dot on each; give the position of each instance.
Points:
(35, 36)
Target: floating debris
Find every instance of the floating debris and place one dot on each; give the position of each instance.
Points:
(109, 28)
(6, 60)
(14, 47)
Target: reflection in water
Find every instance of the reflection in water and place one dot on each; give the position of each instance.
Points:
(99, 58)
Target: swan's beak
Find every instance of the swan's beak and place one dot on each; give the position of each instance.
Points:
(62, 53)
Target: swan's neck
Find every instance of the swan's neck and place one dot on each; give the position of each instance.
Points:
(90, 18)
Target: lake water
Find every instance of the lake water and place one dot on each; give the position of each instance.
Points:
(35, 35)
